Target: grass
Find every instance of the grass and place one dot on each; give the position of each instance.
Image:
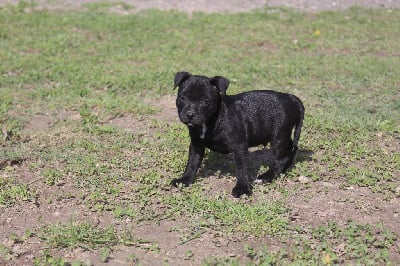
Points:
(98, 66)
(332, 244)
(12, 192)
(81, 234)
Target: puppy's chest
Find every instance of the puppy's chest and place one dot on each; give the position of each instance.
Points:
(214, 140)
(216, 143)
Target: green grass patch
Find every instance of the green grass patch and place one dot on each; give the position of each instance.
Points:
(228, 216)
(329, 244)
(83, 59)
(81, 234)
(12, 191)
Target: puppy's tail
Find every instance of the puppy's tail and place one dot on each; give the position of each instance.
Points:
(299, 123)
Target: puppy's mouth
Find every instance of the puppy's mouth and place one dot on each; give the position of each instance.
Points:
(202, 129)
(192, 122)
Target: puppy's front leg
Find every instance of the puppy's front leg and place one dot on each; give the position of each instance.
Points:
(243, 185)
(196, 154)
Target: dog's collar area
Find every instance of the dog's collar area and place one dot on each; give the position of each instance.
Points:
(199, 130)
(203, 131)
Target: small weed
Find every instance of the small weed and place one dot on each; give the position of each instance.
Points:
(50, 260)
(7, 253)
(105, 254)
(264, 257)
(47, 259)
(11, 129)
(53, 177)
(121, 212)
(103, 7)
(133, 259)
(12, 192)
(194, 233)
(214, 261)
(188, 255)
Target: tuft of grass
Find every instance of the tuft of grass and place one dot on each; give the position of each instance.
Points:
(48, 259)
(7, 253)
(81, 234)
(215, 261)
(105, 254)
(76, 234)
(104, 7)
(12, 192)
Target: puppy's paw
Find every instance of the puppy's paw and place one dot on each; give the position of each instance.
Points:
(267, 177)
(184, 180)
(241, 189)
(259, 181)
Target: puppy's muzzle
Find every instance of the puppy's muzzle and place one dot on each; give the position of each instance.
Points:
(189, 115)
(191, 119)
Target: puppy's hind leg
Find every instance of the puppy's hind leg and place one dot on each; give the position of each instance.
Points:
(282, 158)
(292, 149)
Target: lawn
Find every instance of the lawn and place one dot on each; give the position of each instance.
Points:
(90, 138)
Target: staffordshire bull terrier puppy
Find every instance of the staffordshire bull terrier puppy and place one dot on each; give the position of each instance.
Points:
(232, 124)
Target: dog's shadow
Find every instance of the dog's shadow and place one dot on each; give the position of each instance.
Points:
(259, 160)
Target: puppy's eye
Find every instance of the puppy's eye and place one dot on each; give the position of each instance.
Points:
(205, 101)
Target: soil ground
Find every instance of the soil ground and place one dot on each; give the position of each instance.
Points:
(320, 203)
(311, 205)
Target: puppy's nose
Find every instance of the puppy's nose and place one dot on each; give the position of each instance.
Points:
(190, 114)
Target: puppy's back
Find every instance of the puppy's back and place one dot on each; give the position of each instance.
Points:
(266, 103)
(264, 112)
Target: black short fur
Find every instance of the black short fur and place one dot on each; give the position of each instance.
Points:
(232, 124)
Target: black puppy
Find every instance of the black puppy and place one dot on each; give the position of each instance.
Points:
(234, 123)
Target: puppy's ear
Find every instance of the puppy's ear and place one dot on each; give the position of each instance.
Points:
(221, 83)
(180, 77)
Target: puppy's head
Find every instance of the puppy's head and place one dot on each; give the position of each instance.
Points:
(198, 97)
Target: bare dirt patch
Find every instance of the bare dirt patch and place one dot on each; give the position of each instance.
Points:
(159, 243)
(167, 106)
(167, 113)
(320, 203)
(317, 5)
(325, 201)
(53, 204)
(181, 252)
(43, 122)
(38, 122)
